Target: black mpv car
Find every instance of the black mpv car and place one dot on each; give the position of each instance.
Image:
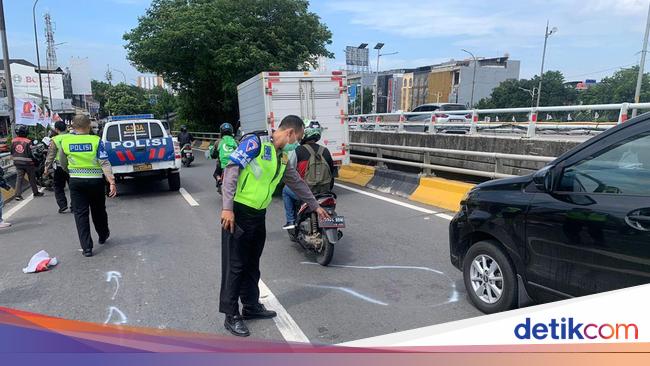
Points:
(580, 225)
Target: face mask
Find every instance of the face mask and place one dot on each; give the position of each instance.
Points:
(290, 147)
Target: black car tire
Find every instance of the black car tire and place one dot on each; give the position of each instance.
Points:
(508, 298)
(174, 181)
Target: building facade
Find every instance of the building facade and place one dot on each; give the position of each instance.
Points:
(407, 92)
(420, 86)
(151, 82)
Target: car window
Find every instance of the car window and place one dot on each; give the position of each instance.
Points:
(142, 130)
(623, 168)
(429, 108)
(418, 109)
(156, 131)
(127, 131)
(453, 107)
(112, 133)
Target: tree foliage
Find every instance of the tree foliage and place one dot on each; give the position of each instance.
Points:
(205, 48)
(99, 89)
(618, 88)
(511, 93)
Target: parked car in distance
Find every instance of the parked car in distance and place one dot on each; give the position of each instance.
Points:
(444, 115)
(579, 226)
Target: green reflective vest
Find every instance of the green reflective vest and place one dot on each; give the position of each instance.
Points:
(82, 151)
(227, 145)
(57, 142)
(258, 180)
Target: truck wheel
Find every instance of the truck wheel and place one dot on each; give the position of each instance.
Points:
(489, 278)
(174, 180)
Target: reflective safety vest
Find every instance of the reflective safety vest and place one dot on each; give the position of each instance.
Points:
(82, 152)
(258, 180)
(227, 145)
(57, 142)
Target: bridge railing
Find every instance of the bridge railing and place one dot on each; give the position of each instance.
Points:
(425, 163)
(431, 121)
(209, 136)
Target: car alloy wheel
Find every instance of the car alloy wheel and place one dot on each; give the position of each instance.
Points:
(486, 278)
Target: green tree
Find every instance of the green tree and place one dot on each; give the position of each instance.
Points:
(617, 88)
(207, 47)
(99, 89)
(126, 99)
(164, 102)
(511, 93)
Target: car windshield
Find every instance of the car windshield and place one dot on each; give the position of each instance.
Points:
(453, 107)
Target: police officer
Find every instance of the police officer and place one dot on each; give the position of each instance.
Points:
(54, 166)
(21, 153)
(86, 161)
(257, 166)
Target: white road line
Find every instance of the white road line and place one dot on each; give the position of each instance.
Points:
(188, 197)
(22, 204)
(288, 327)
(445, 216)
(395, 202)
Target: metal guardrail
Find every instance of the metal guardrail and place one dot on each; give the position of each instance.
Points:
(428, 167)
(6, 161)
(432, 125)
(212, 136)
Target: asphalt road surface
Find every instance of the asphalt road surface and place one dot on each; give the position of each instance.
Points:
(161, 265)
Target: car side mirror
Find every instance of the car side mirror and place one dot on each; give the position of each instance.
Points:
(543, 179)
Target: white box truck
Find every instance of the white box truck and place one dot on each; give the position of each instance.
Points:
(267, 98)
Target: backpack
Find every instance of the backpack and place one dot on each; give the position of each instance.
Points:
(318, 175)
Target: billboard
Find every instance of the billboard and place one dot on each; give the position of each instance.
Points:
(355, 56)
(80, 75)
(26, 83)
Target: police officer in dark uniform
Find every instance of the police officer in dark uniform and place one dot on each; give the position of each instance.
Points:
(88, 165)
(21, 153)
(54, 166)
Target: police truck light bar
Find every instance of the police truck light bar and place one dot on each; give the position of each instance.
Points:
(131, 117)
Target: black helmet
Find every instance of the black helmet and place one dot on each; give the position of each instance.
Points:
(226, 129)
(21, 131)
(183, 128)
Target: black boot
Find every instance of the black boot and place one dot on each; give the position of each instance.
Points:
(88, 252)
(258, 312)
(235, 324)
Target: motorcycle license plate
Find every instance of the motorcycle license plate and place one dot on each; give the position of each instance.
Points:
(142, 167)
(332, 222)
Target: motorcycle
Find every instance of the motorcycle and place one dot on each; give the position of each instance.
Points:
(187, 155)
(39, 151)
(315, 235)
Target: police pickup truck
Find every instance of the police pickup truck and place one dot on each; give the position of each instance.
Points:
(140, 146)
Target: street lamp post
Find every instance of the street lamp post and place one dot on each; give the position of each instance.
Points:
(639, 79)
(38, 57)
(532, 94)
(361, 47)
(471, 103)
(121, 72)
(547, 33)
(378, 47)
(8, 79)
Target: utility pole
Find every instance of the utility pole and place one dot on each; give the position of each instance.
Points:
(471, 103)
(8, 78)
(639, 79)
(38, 57)
(547, 33)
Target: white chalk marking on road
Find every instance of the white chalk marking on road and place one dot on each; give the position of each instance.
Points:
(188, 197)
(390, 200)
(445, 216)
(351, 292)
(288, 327)
(114, 275)
(22, 204)
(121, 317)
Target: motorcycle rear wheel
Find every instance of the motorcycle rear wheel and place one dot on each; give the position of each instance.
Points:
(324, 257)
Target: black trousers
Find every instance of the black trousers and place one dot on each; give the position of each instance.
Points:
(88, 197)
(21, 170)
(240, 259)
(61, 178)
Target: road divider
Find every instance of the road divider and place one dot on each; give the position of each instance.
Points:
(439, 192)
(204, 145)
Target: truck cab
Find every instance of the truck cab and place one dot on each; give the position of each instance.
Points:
(140, 146)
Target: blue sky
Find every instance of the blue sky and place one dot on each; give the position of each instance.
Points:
(594, 38)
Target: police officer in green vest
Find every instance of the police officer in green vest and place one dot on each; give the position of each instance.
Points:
(54, 166)
(88, 165)
(256, 167)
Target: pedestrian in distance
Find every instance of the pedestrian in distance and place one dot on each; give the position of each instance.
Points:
(3, 185)
(256, 168)
(54, 166)
(87, 163)
(21, 153)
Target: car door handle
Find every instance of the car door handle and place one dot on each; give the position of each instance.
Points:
(638, 220)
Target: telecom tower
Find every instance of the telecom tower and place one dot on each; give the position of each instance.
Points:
(49, 37)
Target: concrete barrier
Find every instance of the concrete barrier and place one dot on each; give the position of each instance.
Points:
(204, 145)
(441, 192)
(356, 174)
(394, 182)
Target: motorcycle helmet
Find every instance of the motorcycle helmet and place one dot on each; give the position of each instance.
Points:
(226, 129)
(21, 131)
(313, 131)
(183, 128)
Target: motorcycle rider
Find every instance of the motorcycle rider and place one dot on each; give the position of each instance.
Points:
(184, 137)
(226, 146)
(315, 165)
(21, 153)
(54, 166)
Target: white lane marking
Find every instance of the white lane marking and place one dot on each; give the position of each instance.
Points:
(351, 292)
(445, 216)
(390, 200)
(188, 197)
(121, 317)
(114, 275)
(22, 204)
(288, 327)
